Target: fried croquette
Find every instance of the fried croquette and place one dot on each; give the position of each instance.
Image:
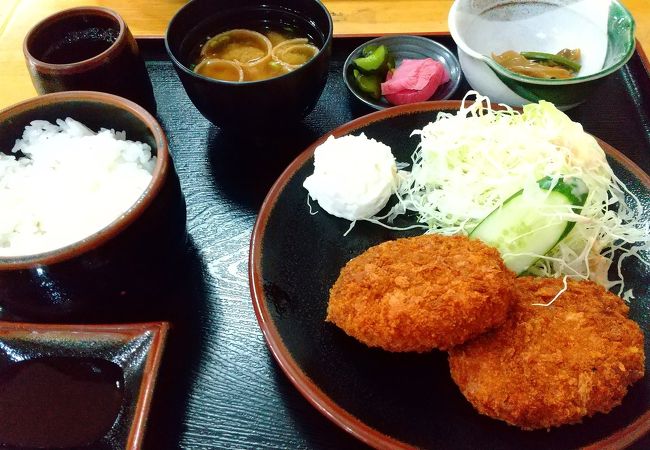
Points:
(421, 293)
(552, 365)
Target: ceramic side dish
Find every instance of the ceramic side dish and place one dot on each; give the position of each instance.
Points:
(407, 47)
(602, 29)
(116, 273)
(252, 104)
(396, 400)
(84, 386)
(87, 48)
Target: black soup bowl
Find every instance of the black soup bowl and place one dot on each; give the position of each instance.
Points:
(251, 104)
(121, 272)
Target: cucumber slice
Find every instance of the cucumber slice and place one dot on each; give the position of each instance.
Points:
(531, 224)
(368, 84)
(375, 61)
(368, 49)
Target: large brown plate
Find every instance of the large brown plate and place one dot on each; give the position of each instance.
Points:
(385, 399)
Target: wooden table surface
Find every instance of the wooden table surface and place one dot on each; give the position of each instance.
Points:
(350, 17)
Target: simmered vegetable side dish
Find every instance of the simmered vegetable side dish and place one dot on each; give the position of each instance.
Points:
(561, 65)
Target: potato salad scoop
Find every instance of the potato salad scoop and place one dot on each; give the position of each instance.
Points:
(353, 176)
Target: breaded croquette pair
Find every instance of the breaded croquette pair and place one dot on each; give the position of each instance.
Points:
(529, 365)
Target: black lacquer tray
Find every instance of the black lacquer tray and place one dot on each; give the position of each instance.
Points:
(219, 386)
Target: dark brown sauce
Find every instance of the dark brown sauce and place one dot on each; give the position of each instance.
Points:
(80, 45)
(58, 402)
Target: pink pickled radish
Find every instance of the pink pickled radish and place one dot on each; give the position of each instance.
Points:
(415, 80)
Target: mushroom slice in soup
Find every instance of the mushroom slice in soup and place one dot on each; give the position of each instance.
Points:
(294, 52)
(220, 69)
(244, 46)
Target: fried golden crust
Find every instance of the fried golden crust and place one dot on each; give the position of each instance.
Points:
(421, 293)
(554, 365)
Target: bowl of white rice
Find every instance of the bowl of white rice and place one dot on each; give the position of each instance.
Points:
(93, 218)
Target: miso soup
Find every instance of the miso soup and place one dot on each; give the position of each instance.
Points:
(246, 54)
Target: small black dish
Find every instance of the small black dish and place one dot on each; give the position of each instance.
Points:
(277, 101)
(77, 386)
(407, 47)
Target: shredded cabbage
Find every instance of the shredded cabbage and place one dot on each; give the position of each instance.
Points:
(468, 163)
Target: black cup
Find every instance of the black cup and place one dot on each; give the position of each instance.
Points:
(87, 48)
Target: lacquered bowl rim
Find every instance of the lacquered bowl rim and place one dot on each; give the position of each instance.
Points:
(310, 391)
(136, 210)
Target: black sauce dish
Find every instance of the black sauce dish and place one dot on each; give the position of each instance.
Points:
(77, 386)
(119, 273)
(273, 102)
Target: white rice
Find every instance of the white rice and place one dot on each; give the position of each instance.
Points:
(71, 183)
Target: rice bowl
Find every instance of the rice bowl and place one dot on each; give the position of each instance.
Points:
(118, 272)
(70, 183)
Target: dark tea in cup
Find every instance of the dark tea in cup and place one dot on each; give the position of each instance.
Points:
(88, 48)
(79, 45)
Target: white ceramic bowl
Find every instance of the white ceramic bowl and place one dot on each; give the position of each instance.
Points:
(602, 29)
